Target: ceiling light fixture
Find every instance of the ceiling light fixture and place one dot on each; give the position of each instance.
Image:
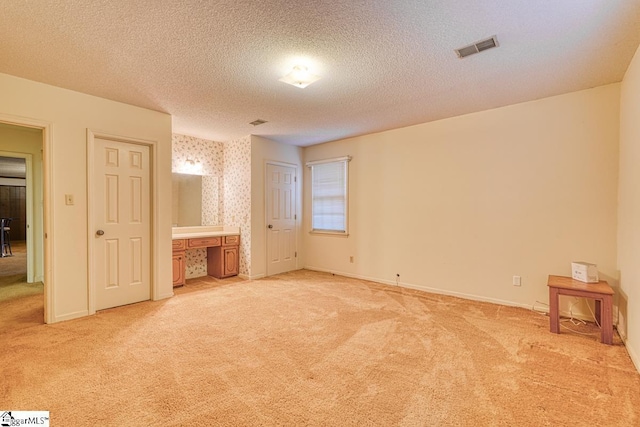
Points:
(300, 77)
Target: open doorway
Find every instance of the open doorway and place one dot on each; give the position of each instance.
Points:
(22, 301)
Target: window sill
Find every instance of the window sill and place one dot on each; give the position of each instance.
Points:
(329, 233)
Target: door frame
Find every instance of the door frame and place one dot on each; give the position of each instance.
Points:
(47, 211)
(266, 213)
(154, 211)
(28, 158)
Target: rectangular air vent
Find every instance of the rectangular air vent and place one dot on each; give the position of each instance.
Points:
(258, 122)
(477, 47)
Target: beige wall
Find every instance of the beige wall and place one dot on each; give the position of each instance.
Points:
(461, 205)
(629, 210)
(29, 141)
(264, 150)
(70, 114)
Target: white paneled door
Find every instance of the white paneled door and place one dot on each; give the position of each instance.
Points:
(121, 209)
(281, 218)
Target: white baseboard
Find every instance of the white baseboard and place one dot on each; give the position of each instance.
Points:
(635, 358)
(623, 337)
(425, 288)
(254, 277)
(262, 275)
(70, 316)
(633, 355)
(163, 296)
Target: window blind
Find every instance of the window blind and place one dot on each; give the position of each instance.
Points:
(329, 196)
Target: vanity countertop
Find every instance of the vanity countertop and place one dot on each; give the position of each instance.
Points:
(203, 231)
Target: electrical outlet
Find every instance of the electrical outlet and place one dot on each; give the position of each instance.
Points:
(351, 259)
(517, 281)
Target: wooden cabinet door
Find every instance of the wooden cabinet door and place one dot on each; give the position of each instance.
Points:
(230, 261)
(178, 269)
(222, 261)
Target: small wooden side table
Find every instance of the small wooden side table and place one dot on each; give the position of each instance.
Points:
(601, 292)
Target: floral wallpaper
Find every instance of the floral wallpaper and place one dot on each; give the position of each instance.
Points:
(237, 195)
(208, 153)
(211, 201)
(226, 169)
(196, 263)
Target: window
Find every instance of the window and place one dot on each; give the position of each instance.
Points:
(329, 186)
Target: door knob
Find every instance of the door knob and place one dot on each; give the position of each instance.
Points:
(270, 226)
(99, 232)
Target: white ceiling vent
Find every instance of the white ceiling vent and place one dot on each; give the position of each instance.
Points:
(258, 122)
(477, 47)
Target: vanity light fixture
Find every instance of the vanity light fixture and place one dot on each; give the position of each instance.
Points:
(300, 77)
(192, 167)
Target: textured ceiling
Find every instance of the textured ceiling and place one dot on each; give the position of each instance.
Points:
(214, 65)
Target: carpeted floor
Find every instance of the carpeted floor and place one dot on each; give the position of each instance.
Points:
(308, 348)
(16, 264)
(21, 303)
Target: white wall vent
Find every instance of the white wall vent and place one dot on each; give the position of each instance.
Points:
(477, 47)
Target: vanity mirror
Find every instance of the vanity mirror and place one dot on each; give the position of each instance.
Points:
(195, 200)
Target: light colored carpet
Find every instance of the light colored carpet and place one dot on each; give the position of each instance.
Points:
(308, 348)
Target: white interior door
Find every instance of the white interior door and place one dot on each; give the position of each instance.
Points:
(281, 218)
(121, 208)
